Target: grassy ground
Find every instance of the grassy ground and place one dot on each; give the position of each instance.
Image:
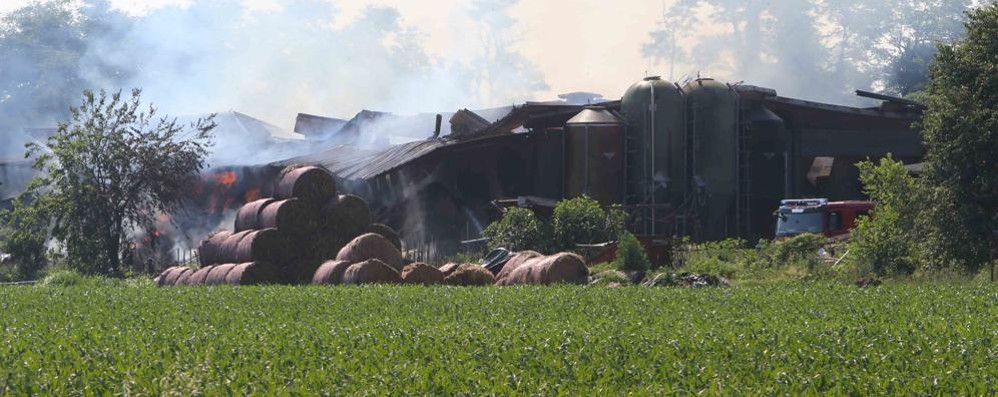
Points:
(771, 339)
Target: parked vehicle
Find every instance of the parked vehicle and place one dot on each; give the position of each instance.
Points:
(819, 216)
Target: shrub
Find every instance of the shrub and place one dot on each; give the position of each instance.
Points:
(63, 278)
(630, 254)
(885, 242)
(798, 248)
(582, 220)
(517, 230)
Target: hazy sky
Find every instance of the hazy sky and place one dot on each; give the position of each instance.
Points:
(591, 45)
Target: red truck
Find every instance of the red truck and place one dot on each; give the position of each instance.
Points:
(819, 216)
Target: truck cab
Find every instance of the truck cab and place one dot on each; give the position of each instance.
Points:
(819, 216)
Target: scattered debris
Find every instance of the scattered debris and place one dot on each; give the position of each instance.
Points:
(868, 282)
(686, 279)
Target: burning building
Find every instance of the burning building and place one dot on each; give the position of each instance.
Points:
(700, 158)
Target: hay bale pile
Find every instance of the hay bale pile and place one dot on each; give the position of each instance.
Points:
(286, 238)
(532, 269)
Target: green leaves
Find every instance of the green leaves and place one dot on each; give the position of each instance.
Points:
(773, 340)
(113, 168)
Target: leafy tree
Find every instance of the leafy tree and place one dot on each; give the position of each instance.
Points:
(960, 130)
(887, 242)
(630, 254)
(582, 220)
(111, 170)
(24, 235)
(47, 58)
(517, 230)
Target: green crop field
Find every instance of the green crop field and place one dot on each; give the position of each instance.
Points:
(794, 338)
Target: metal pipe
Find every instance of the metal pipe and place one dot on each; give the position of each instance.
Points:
(651, 175)
(585, 184)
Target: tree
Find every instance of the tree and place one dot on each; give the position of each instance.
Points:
(582, 220)
(887, 242)
(630, 254)
(111, 170)
(517, 230)
(47, 57)
(960, 129)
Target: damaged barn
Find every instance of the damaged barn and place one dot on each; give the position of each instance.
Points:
(702, 158)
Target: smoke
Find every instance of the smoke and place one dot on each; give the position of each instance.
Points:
(812, 49)
(269, 62)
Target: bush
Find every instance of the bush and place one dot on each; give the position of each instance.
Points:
(582, 220)
(63, 278)
(630, 254)
(885, 243)
(517, 230)
(803, 247)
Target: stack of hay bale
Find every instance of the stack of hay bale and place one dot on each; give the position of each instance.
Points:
(529, 267)
(286, 238)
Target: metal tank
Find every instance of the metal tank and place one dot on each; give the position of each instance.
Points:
(655, 145)
(594, 157)
(713, 120)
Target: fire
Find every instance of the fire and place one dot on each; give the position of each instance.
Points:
(252, 195)
(226, 178)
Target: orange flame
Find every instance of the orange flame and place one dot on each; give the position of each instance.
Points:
(252, 195)
(226, 178)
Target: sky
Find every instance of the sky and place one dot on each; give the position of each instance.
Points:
(577, 45)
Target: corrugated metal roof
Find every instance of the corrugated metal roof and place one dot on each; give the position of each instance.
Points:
(350, 162)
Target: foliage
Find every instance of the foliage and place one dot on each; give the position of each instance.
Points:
(63, 278)
(802, 247)
(888, 241)
(630, 254)
(112, 169)
(791, 259)
(608, 277)
(24, 235)
(960, 130)
(794, 339)
(47, 58)
(517, 230)
(579, 220)
(582, 220)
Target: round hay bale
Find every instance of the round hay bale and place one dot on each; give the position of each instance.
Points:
(330, 272)
(421, 273)
(371, 246)
(227, 250)
(161, 279)
(172, 277)
(308, 183)
(371, 271)
(208, 250)
(516, 261)
(198, 277)
(292, 216)
(269, 245)
(185, 276)
(254, 273)
(469, 274)
(217, 275)
(347, 215)
(559, 268)
(387, 232)
(248, 217)
(448, 268)
(325, 247)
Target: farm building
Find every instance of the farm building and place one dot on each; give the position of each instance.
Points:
(703, 158)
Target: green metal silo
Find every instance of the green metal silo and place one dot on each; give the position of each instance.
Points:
(713, 120)
(655, 147)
